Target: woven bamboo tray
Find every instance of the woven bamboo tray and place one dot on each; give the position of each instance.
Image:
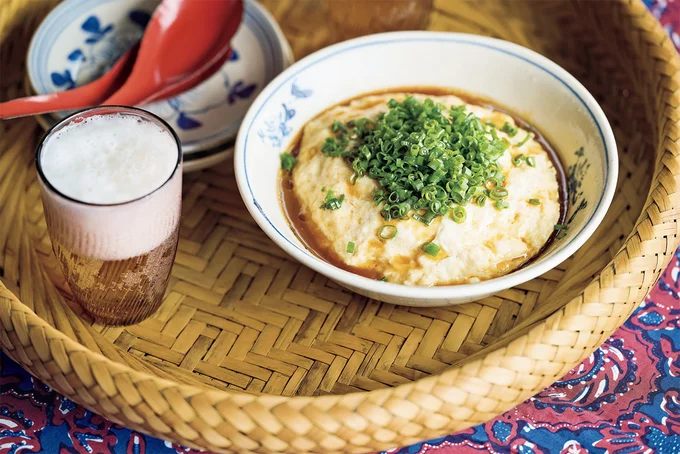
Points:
(252, 352)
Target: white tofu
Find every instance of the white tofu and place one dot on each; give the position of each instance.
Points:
(490, 243)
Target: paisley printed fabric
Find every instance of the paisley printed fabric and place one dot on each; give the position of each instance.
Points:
(624, 398)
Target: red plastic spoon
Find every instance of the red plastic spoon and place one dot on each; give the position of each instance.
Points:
(188, 40)
(86, 95)
(170, 76)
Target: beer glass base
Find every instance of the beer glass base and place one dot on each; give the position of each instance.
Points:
(119, 292)
(127, 319)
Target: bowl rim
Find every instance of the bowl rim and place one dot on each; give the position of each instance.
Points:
(423, 293)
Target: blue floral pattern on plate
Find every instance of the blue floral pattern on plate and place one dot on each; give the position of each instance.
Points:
(102, 46)
(185, 117)
(81, 39)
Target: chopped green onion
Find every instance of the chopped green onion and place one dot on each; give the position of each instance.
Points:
(518, 160)
(534, 201)
(491, 183)
(501, 205)
(531, 161)
(425, 218)
(459, 215)
(509, 129)
(382, 279)
(338, 127)
(525, 140)
(333, 148)
(323, 189)
(287, 161)
(561, 235)
(561, 227)
(498, 193)
(331, 202)
(430, 248)
(481, 200)
(425, 158)
(387, 232)
(351, 246)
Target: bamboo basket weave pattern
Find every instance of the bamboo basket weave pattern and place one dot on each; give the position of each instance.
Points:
(251, 352)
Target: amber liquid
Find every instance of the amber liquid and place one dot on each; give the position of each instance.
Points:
(309, 237)
(119, 292)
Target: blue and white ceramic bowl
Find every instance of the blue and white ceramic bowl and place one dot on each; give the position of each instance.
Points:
(80, 39)
(512, 76)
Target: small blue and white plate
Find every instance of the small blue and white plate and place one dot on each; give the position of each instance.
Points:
(80, 39)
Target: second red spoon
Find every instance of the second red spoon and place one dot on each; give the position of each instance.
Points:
(174, 51)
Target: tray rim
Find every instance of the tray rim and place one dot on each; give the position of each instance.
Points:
(15, 314)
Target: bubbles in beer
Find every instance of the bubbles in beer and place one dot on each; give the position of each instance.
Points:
(109, 159)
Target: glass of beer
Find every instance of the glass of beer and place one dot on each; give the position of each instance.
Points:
(111, 182)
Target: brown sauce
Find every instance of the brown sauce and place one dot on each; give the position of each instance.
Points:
(305, 231)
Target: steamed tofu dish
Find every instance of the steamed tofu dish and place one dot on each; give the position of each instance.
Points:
(421, 190)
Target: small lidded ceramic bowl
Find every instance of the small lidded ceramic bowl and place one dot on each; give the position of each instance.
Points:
(526, 83)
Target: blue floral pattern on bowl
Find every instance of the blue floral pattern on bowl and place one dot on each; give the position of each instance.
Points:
(576, 173)
(275, 128)
(81, 39)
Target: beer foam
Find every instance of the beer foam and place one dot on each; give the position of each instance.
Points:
(109, 159)
(106, 160)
